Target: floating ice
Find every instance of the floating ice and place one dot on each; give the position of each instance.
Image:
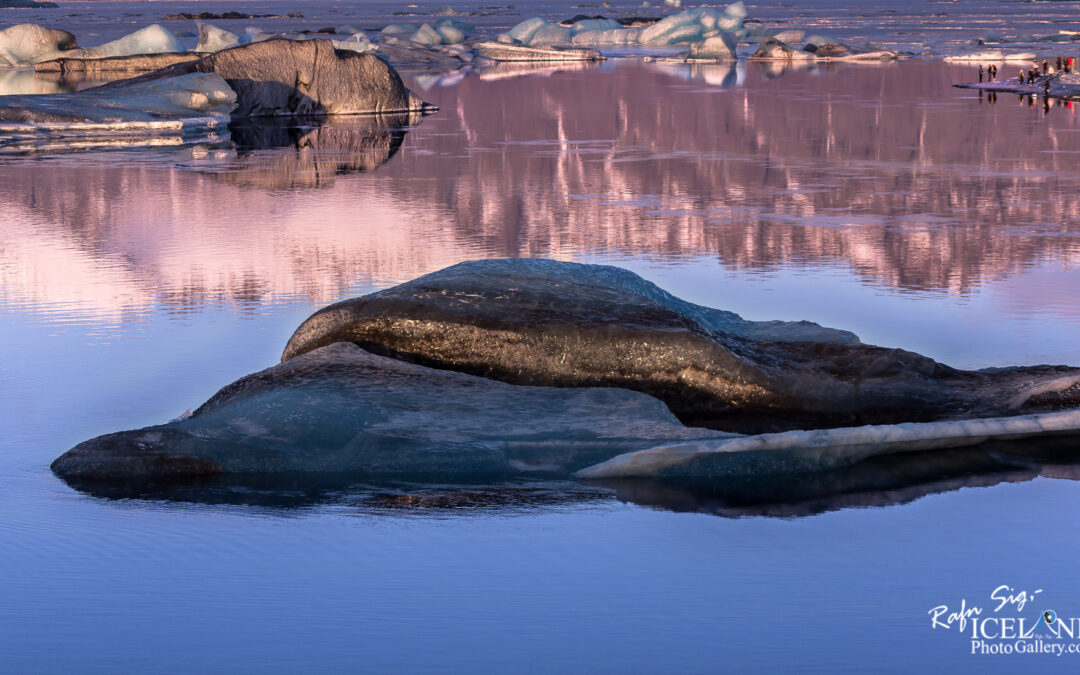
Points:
(990, 56)
(214, 39)
(27, 43)
(686, 26)
(358, 42)
(595, 24)
(399, 29)
(499, 51)
(801, 451)
(719, 47)
(426, 35)
(590, 335)
(341, 409)
(153, 39)
(450, 34)
(193, 100)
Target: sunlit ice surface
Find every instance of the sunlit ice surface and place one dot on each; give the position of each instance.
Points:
(874, 198)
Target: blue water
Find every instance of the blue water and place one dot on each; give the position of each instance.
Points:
(875, 199)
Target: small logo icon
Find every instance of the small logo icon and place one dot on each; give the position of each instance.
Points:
(1049, 616)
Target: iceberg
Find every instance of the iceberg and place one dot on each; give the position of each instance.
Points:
(991, 56)
(114, 65)
(524, 31)
(594, 24)
(26, 43)
(399, 29)
(139, 105)
(686, 26)
(214, 39)
(528, 366)
(426, 35)
(306, 77)
(358, 42)
(611, 37)
(450, 35)
(350, 411)
(499, 51)
(550, 34)
(720, 47)
(712, 367)
(823, 449)
(154, 39)
(774, 50)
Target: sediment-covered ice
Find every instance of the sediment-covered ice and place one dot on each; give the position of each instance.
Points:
(822, 449)
(498, 51)
(340, 409)
(560, 324)
(492, 367)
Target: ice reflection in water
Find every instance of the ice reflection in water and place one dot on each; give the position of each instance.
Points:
(879, 175)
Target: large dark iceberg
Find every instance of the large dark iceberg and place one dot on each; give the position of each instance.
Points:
(273, 78)
(546, 323)
(509, 368)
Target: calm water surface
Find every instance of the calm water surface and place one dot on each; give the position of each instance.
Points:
(133, 284)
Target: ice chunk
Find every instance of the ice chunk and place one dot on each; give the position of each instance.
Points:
(524, 31)
(499, 51)
(595, 24)
(141, 105)
(721, 46)
(450, 34)
(550, 34)
(673, 3)
(790, 36)
(399, 29)
(774, 50)
(153, 39)
(426, 35)
(801, 451)
(214, 39)
(27, 43)
(681, 27)
(993, 55)
(736, 10)
(613, 37)
(341, 409)
(359, 42)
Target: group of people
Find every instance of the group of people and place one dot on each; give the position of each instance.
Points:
(1065, 64)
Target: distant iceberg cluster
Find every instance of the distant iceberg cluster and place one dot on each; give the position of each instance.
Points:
(693, 26)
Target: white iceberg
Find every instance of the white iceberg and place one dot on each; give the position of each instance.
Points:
(992, 55)
(154, 39)
(721, 46)
(26, 43)
(214, 39)
(426, 35)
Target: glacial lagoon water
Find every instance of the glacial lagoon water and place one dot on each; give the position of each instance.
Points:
(874, 198)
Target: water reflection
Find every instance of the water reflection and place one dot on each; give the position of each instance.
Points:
(297, 155)
(18, 81)
(885, 170)
(878, 482)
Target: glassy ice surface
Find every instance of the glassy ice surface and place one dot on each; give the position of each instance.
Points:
(135, 283)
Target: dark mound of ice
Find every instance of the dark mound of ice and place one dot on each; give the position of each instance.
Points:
(542, 322)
